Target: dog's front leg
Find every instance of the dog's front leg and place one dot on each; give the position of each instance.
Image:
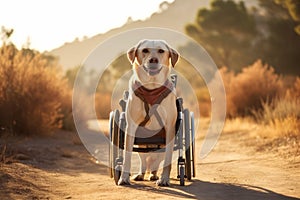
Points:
(128, 147)
(165, 177)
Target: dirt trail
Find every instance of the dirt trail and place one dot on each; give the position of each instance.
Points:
(60, 168)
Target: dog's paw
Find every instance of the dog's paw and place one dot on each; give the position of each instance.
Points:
(153, 177)
(124, 181)
(163, 182)
(139, 177)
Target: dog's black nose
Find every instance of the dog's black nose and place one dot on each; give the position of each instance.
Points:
(153, 60)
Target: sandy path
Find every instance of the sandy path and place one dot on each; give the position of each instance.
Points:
(60, 168)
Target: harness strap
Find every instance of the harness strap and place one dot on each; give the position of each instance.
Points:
(154, 98)
(147, 117)
(153, 111)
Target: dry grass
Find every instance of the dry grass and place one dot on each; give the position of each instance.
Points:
(7, 155)
(31, 92)
(262, 97)
(204, 100)
(103, 104)
(296, 89)
(2, 154)
(67, 113)
(247, 90)
(240, 125)
(281, 117)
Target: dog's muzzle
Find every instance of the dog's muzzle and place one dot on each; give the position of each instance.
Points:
(153, 68)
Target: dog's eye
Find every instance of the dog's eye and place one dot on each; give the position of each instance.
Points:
(145, 51)
(161, 51)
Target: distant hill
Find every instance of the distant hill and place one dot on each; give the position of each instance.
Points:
(170, 15)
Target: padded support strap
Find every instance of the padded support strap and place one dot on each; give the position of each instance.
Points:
(152, 97)
(153, 111)
(147, 117)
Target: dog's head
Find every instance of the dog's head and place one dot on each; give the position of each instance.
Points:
(152, 56)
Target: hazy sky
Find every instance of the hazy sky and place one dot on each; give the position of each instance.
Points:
(50, 23)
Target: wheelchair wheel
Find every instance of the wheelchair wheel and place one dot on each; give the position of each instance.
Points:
(122, 126)
(193, 143)
(113, 134)
(181, 175)
(187, 144)
(117, 173)
(111, 122)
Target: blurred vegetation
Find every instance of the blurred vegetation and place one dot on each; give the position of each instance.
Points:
(226, 31)
(32, 91)
(293, 7)
(256, 49)
(266, 39)
(249, 89)
(236, 36)
(280, 117)
(268, 98)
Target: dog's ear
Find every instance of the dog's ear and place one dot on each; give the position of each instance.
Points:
(131, 54)
(174, 55)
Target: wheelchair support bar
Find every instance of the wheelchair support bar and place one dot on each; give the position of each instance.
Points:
(179, 102)
(174, 79)
(122, 103)
(179, 127)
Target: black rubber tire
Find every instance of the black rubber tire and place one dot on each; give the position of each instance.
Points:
(114, 142)
(121, 136)
(181, 175)
(110, 128)
(193, 143)
(187, 144)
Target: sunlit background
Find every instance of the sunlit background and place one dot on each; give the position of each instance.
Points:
(49, 24)
(255, 45)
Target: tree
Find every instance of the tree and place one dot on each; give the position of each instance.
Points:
(293, 7)
(5, 34)
(279, 44)
(236, 37)
(226, 31)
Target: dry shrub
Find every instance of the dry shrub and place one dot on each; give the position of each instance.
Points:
(247, 90)
(296, 89)
(281, 117)
(103, 104)
(31, 91)
(240, 125)
(66, 111)
(204, 101)
(228, 79)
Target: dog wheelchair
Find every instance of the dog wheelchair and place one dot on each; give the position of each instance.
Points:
(184, 140)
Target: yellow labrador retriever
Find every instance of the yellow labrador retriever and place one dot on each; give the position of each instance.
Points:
(150, 91)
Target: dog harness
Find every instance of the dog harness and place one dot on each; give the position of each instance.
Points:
(153, 98)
